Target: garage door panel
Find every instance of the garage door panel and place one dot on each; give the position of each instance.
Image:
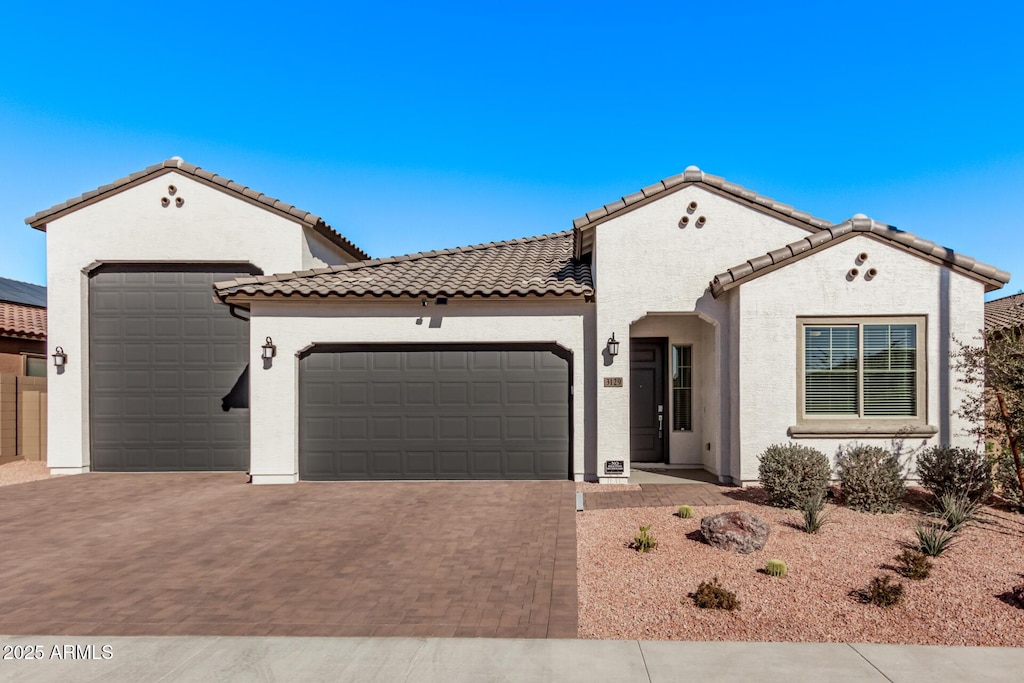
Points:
(163, 356)
(484, 414)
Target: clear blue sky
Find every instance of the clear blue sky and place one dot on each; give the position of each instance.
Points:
(413, 126)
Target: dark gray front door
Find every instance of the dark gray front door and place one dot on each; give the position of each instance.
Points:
(167, 383)
(647, 413)
(445, 413)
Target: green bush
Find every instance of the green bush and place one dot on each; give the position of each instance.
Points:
(713, 596)
(914, 564)
(883, 593)
(644, 542)
(792, 473)
(1006, 479)
(949, 470)
(775, 568)
(871, 479)
(685, 512)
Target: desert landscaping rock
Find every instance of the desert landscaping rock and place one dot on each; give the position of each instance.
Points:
(738, 531)
(21, 471)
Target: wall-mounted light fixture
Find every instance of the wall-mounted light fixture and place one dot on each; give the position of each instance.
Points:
(613, 346)
(59, 357)
(269, 350)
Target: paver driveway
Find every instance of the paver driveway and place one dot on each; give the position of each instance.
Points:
(206, 553)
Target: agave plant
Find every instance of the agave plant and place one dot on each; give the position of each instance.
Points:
(933, 540)
(957, 511)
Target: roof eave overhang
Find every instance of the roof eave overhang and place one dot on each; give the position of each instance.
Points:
(639, 199)
(718, 288)
(244, 300)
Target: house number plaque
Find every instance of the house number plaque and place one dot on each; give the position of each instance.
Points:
(614, 467)
(613, 381)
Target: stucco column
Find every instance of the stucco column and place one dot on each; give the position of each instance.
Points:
(273, 408)
(612, 401)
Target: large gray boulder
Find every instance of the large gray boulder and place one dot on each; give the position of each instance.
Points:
(742, 532)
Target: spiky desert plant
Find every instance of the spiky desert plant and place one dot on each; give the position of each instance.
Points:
(775, 568)
(644, 542)
(957, 510)
(685, 512)
(933, 540)
(813, 510)
(914, 564)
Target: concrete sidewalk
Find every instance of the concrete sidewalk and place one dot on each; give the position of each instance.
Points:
(479, 659)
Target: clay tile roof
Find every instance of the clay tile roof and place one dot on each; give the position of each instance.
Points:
(992, 277)
(542, 265)
(19, 320)
(691, 175)
(1004, 313)
(40, 219)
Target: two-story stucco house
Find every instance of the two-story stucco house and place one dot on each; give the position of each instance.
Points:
(207, 326)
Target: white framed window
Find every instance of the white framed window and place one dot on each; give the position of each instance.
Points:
(862, 370)
(682, 388)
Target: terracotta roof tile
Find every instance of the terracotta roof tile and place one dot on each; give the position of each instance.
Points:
(1004, 313)
(18, 320)
(990, 275)
(542, 265)
(40, 219)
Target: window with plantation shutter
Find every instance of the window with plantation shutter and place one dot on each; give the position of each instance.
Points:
(862, 370)
(682, 388)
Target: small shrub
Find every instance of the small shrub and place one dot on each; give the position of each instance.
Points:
(914, 564)
(1006, 480)
(792, 473)
(644, 542)
(813, 509)
(775, 568)
(957, 511)
(933, 540)
(871, 478)
(713, 596)
(952, 471)
(882, 592)
(1016, 595)
(685, 512)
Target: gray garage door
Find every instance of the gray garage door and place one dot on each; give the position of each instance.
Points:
(168, 383)
(434, 414)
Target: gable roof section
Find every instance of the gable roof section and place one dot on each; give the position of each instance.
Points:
(40, 219)
(17, 292)
(531, 266)
(692, 175)
(1005, 313)
(992, 277)
(19, 320)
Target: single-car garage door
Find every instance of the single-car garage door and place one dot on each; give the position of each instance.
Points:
(434, 413)
(168, 383)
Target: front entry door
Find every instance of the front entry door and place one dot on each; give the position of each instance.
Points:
(647, 410)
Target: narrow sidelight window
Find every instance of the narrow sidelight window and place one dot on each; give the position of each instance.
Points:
(682, 388)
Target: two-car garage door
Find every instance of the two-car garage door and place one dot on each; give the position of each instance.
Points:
(467, 412)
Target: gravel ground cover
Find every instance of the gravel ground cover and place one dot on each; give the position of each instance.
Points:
(624, 594)
(23, 470)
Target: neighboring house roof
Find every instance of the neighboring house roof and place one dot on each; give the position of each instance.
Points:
(539, 266)
(1004, 313)
(308, 219)
(690, 176)
(19, 320)
(992, 277)
(19, 292)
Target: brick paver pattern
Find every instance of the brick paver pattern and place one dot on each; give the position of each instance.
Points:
(657, 495)
(208, 554)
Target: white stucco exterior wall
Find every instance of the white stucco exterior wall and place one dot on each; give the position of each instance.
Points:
(133, 226)
(274, 399)
(646, 264)
(906, 285)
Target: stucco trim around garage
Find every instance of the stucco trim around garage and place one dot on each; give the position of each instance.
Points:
(990, 276)
(40, 219)
(691, 176)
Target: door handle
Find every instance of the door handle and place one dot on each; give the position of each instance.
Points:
(661, 419)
